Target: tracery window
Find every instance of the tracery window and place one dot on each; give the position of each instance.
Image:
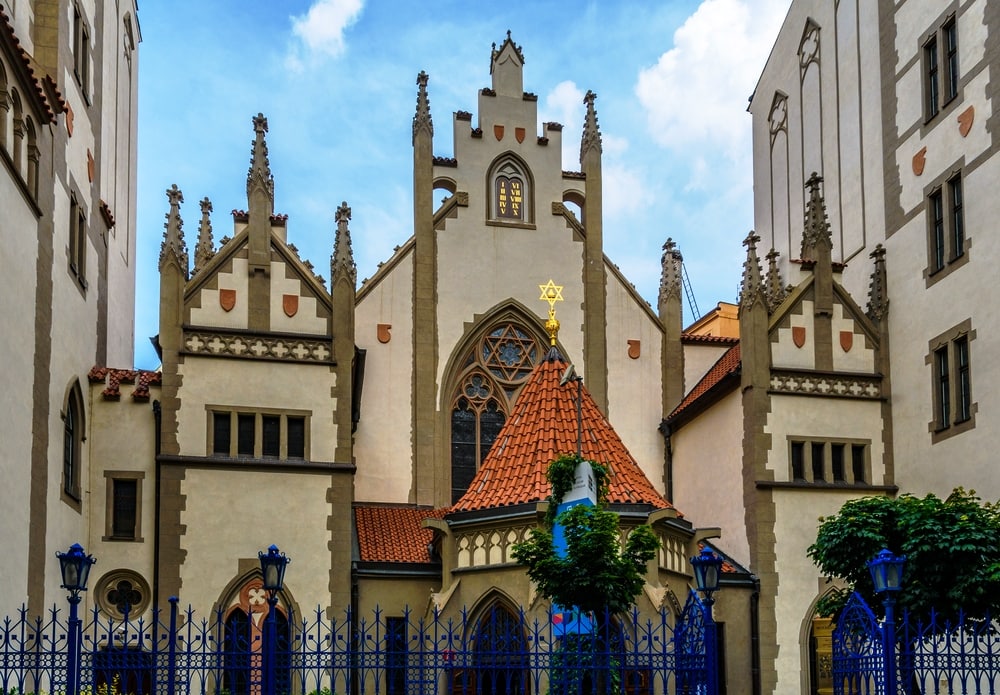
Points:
(493, 371)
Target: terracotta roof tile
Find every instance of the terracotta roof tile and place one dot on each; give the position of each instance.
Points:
(114, 378)
(726, 365)
(47, 108)
(697, 338)
(394, 534)
(542, 427)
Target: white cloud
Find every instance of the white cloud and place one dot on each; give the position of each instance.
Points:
(564, 104)
(697, 92)
(623, 189)
(321, 28)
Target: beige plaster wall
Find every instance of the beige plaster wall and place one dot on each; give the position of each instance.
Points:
(698, 359)
(708, 473)
(305, 319)
(382, 443)
(210, 313)
(634, 385)
(256, 385)
(230, 516)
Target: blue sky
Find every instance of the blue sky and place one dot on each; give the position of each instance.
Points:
(336, 80)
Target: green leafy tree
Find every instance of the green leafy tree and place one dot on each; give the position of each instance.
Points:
(952, 550)
(597, 574)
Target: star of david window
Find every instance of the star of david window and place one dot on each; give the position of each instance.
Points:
(494, 369)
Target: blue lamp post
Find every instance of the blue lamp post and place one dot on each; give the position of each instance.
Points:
(75, 567)
(887, 575)
(707, 570)
(272, 567)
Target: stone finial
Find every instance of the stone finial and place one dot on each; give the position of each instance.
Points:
(752, 287)
(497, 51)
(422, 121)
(259, 177)
(773, 289)
(204, 250)
(816, 230)
(878, 296)
(670, 272)
(173, 236)
(342, 262)
(591, 130)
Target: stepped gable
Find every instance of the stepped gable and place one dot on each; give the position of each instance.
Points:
(542, 427)
(394, 534)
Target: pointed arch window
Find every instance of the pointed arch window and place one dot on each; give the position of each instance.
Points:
(510, 192)
(493, 370)
(72, 443)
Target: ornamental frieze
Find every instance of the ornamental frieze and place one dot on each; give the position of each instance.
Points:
(812, 384)
(257, 347)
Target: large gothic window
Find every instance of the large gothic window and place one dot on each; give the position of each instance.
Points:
(493, 370)
(510, 192)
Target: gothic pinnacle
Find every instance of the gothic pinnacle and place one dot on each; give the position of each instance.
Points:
(173, 235)
(259, 177)
(422, 118)
(204, 250)
(878, 299)
(774, 290)
(752, 287)
(816, 230)
(591, 130)
(342, 262)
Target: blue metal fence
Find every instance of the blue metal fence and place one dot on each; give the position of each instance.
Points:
(496, 652)
(930, 656)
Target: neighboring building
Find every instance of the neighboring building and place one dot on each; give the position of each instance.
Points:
(68, 75)
(874, 141)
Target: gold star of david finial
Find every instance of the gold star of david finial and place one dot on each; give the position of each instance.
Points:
(551, 293)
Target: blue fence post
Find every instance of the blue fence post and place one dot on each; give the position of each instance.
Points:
(889, 645)
(711, 649)
(172, 646)
(270, 646)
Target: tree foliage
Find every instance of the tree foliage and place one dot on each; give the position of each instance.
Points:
(597, 573)
(952, 550)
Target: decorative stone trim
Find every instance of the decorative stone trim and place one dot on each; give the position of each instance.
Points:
(489, 547)
(258, 347)
(837, 386)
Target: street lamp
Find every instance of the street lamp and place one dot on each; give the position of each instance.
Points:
(272, 567)
(887, 575)
(74, 566)
(707, 571)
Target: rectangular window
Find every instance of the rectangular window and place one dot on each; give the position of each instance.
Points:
(957, 221)
(963, 400)
(81, 52)
(271, 432)
(819, 474)
(296, 437)
(943, 387)
(950, 361)
(271, 435)
(932, 86)
(77, 242)
(798, 461)
(950, 33)
(837, 462)
(858, 463)
(937, 231)
(221, 429)
(123, 507)
(245, 434)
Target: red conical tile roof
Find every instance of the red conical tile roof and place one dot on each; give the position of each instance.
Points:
(542, 427)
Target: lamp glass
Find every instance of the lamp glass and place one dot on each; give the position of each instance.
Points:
(272, 567)
(74, 565)
(887, 571)
(707, 566)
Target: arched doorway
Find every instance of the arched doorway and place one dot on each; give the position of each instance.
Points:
(499, 656)
(245, 632)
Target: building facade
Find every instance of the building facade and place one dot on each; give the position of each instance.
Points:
(68, 76)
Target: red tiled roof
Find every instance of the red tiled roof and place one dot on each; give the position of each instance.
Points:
(114, 378)
(45, 106)
(541, 428)
(726, 365)
(695, 338)
(394, 534)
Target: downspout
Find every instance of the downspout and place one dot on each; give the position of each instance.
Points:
(157, 418)
(668, 461)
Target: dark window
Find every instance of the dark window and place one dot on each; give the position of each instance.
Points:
(509, 192)
(81, 51)
(245, 434)
(396, 656)
(464, 459)
(937, 231)
(963, 398)
(271, 430)
(817, 461)
(858, 462)
(123, 509)
(932, 78)
(221, 433)
(77, 242)
(71, 448)
(942, 371)
(837, 462)
(296, 437)
(950, 33)
(798, 461)
(957, 221)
